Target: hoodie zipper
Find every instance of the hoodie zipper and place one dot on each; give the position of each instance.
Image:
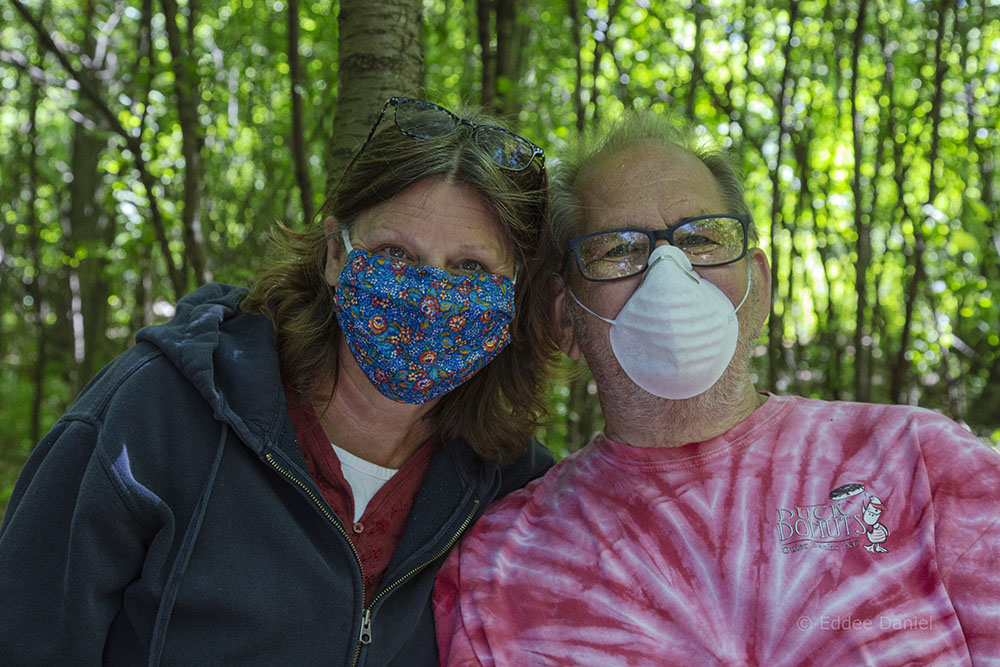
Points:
(365, 637)
(366, 627)
(366, 618)
(449, 545)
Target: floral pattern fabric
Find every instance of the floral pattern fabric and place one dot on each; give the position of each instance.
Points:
(417, 331)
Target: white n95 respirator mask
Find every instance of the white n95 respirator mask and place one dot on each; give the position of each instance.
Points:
(677, 333)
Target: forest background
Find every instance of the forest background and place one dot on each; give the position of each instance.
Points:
(149, 146)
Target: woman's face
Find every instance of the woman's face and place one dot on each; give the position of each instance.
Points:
(431, 223)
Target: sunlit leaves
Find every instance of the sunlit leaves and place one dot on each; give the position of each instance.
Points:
(720, 61)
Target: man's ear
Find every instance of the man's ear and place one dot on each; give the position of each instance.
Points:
(761, 269)
(562, 323)
(335, 254)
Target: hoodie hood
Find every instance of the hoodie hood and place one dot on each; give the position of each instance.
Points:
(229, 357)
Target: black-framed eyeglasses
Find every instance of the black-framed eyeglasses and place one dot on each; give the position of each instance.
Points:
(707, 240)
(425, 120)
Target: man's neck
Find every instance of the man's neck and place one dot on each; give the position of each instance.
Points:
(650, 421)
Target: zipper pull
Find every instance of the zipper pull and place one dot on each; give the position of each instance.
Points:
(366, 628)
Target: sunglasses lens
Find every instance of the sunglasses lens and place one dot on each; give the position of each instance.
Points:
(424, 120)
(507, 149)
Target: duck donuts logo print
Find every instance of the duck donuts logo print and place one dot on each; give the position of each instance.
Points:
(850, 519)
(878, 533)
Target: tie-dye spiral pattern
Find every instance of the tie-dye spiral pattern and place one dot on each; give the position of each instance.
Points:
(812, 533)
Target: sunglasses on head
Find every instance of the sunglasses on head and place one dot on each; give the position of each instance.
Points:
(426, 120)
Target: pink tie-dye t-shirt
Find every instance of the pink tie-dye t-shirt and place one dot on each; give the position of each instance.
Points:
(812, 533)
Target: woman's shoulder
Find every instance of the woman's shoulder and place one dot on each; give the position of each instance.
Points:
(530, 465)
(141, 370)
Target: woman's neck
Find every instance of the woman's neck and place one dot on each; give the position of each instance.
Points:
(361, 420)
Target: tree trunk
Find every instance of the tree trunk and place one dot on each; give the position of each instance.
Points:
(90, 231)
(574, 18)
(298, 127)
(776, 324)
(487, 55)
(862, 338)
(380, 55)
(506, 58)
(192, 139)
(600, 43)
(698, 12)
(36, 288)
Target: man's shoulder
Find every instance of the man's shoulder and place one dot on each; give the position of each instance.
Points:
(864, 411)
(894, 434)
(536, 504)
(854, 417)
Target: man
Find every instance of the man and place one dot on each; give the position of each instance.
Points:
(710, 523)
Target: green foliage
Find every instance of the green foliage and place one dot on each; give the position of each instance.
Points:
(723, 64)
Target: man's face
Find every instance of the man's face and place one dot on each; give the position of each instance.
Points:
(651, 185)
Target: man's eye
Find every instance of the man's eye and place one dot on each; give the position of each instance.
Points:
(619, 251)
(614, 247)
(697, 241)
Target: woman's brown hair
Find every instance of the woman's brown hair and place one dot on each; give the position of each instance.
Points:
(499, 409)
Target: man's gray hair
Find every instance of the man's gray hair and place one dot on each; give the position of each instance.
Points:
(566, 216)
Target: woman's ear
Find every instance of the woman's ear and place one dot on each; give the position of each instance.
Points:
(335, 254)
(562, 323)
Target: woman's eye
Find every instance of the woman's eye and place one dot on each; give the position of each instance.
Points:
(394, 252)
(471, 266)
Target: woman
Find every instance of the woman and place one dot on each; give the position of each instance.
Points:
(273, 477)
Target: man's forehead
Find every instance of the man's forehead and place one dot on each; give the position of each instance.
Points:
(646, 183)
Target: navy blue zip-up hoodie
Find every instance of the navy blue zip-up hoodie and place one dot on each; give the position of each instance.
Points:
(169, 518)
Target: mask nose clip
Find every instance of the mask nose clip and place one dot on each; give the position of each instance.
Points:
(670, 255)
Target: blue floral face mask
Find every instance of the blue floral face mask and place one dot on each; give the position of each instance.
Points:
(417, 331)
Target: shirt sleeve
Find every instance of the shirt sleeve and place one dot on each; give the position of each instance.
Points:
(69, 545)
(965, 486)
(973, 585)
(456, 644)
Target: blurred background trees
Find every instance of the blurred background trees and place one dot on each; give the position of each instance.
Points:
(149, 145)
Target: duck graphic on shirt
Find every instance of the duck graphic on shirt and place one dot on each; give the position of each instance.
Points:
(878, 533)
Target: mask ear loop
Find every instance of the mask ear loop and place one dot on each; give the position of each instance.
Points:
(748, 288)
(569, 290)
(737, 309)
